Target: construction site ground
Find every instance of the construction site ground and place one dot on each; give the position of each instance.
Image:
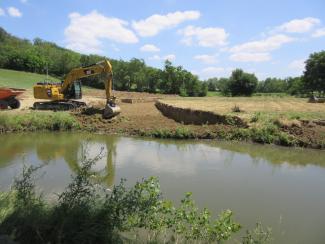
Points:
(139, 116)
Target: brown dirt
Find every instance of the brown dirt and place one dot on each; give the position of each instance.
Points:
(143, 116)
(308, 133)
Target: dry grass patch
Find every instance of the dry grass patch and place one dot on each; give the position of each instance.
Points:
(286, 106)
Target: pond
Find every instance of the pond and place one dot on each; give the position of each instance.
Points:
(283, 188)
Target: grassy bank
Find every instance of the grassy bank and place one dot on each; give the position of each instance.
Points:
(286, 121)
(263, 129)
(37, 121)
(265, 135)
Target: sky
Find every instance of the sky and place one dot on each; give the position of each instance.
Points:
(207, 37)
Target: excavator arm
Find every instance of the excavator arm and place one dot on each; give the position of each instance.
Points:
(103, 68)
(60, 94)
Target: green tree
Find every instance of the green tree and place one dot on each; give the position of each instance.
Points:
(314, 75)
(212, 84)
(241, 83)
(295, 86)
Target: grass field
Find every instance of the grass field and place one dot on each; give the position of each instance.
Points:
(19, 79)
(288, 107)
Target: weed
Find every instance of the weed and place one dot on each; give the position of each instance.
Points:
(236, 109)
(258, 235)
(256, 117)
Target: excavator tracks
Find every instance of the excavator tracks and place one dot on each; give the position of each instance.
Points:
(58, 105)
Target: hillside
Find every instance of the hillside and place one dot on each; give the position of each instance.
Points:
(20, 79)
(34, 56)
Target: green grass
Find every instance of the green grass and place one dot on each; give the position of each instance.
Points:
(20, 79)
(36, 121)
(214, 94)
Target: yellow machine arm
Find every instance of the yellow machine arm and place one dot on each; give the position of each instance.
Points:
(103, 67)
(61, 94)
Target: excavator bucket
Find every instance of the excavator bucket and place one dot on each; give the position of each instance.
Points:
(111, 111)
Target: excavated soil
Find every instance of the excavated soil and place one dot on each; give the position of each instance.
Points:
(142, 116)
(310, 134)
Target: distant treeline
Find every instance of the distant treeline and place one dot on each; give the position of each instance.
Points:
(134, 75)
(290, 85)
(241, 83)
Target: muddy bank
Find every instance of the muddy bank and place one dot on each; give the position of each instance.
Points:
(144, 119)
(198, 117)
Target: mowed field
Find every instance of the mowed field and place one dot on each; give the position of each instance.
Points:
(287, 106)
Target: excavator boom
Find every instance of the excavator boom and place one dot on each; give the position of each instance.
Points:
(60, 94)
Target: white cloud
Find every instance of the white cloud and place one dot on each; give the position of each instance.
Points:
(23, 1)
(170, 57)
(2, 12)
(85, 32)
(319, 33)
(14, 12)
(298, 64)
(149, 48)
(250, 57)
(205, 58)
(205, 37)
(213, 71)
(152, 25)
(268, 44)
(298, 25)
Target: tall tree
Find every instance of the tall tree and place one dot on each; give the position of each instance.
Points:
(241, 83)
(314, 75)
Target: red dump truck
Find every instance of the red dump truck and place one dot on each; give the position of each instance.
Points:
(8, 97)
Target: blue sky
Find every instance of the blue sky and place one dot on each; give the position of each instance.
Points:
(209, 38)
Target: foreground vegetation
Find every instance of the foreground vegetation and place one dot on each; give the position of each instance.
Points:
(88, 213)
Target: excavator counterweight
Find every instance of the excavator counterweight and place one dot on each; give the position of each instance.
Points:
(62, 95)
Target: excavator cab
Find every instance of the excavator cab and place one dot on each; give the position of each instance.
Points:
(74, 91)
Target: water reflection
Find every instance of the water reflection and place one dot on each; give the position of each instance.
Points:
(67, 146)
(257, 182)
(158, 155)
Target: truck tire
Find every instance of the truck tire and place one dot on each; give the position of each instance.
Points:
(14, 103)
(3, 104)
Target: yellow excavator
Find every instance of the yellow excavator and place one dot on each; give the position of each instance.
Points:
(62, 94)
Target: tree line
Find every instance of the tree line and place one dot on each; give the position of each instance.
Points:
(38, 56)
(241, 83)
(134, 75)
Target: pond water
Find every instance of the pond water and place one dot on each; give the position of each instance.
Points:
(284, 188)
